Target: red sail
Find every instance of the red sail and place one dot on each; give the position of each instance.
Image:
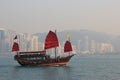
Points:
(15, 47)
(51, 41)
(67, 47)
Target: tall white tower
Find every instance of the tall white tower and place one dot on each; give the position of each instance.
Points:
(34, 43)
(86, 43)
(78, 47)
(92, 47)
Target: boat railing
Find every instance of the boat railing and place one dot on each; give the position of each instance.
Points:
(32, 52)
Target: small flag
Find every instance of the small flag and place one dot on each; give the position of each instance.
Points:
(15, 37)
(68, 35)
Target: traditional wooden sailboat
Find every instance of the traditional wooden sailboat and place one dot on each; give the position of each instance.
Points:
(40, 58)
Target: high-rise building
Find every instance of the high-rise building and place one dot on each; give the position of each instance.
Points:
(2, 40)
(22, 40)
(10, 39)
(40, 46)
(86, 44)
(78, 46)
(28, 38)
(92, 47)
(106, 48)
(97, 47)
(6, 39)
(34, 43)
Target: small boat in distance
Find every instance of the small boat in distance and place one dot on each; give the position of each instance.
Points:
(40, 58)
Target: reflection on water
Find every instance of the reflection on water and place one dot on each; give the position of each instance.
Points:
(57, 73)
(79, 68)
(44, 73)
(11, 70)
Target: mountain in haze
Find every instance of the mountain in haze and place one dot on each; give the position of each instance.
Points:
(77, 35)
(80, 35)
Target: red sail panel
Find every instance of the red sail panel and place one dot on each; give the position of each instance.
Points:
(15, 47)
(67, 47)
(51, 40)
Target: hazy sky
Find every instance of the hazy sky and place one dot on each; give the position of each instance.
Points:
(42, 15)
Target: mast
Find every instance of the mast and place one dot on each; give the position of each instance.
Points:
(55, 51)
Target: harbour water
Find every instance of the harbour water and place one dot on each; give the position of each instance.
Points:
(79, 68)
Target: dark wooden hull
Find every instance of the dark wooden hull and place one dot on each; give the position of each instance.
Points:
(26, 61)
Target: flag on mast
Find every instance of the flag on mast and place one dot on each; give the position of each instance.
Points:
(15, 37)
(68, 35)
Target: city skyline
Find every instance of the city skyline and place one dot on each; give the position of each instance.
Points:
(28, 16)
(28, 42)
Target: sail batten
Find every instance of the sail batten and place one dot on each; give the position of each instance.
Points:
(51, 41)
(67, 46)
